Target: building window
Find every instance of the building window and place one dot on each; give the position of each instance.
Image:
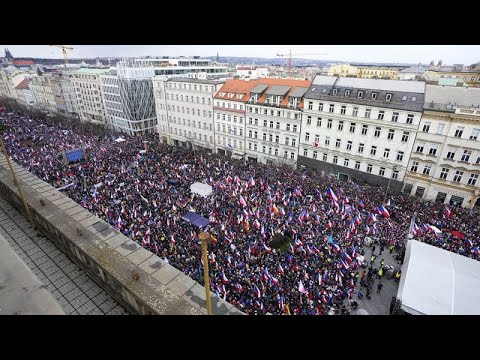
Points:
(459, 131)
(357, 165)
(255, 147)
(325, 157)
(466, 155)
(475, 133)
(352, 127)
(331, 108)
(377, 132)
(373, 151)
(426, 169)
(349, 145)
(335, 91)
(400, 156)
(355, 111)
(420, 147)
(288, 127)
(360, 94)
(278, 125)
(307, 136)
(433, 149)
(271, 124)
(395, 117)
(444, 173)
(277, 139)
(395, 174)
(335, 159)
(264, 137)
(265, 123)
(340, 125)
(249, 146)
(320, 107)
(287, 141)
(314, 154)
(451, 155)
(310, 105)
(426, 127)
(292, 155)
(388, 97)
(456, 200)
(367, 113)
(285, 154)
(369, 168)
(347, 92)
(390, 135)
(381, 172)
(473, 179)
(381, 115)
(458, 176)
(343, 110)
(386, 153)
(405, 136)
(364, 129)
(419, 192)
(294, 128)
(329, 123)
(294, 141)
(338, 143)
(374, 95)
(264, 149)
(327, 141)
(305, 152)
(319, 122)
(256, 134)
(414, 166)
(360, 148)
(345, 162)
(309, 120)
(440, 128)
(410, 119)
(256, 122)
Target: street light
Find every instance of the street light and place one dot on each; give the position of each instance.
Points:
(388, 185)
(204, 237)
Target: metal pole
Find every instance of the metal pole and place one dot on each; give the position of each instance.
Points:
(204, 237)
(27, 209)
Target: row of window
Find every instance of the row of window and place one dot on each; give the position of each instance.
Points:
(230, 129)
(271, 112)
(187, 110)
(420, 147)
(191, 87)
(366, 113)
(188, 122)
(458, 131)
(271, 151)
(269, 137)
(221, 140)
(191, 135)
(444, 174)
(228, 117)
(192, 98)
(229, 105)
(266, 123)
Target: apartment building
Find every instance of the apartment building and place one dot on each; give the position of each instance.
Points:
(43, 92)
(361, 128)
(87, 85)
(185, 111)
(63, 92)
(445, 162)
(24, 94)
(274, 120)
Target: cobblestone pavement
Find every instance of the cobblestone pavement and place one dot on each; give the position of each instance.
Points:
(74, 290)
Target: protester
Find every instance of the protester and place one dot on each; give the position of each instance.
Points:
(250, 204)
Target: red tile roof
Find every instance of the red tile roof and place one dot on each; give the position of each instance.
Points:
(237, 86)
(23, 85)
(23, 62)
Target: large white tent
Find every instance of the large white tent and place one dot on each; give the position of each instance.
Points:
(201, 189)
(438, 282)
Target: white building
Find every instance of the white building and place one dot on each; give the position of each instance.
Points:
(251, 72)
(43, 92)
(86, 84)
(24, 94)
(63, 91)
(445, 162)
(361, 128)
(184, 110)
(10, 78)
(274, 120)
(229, 113)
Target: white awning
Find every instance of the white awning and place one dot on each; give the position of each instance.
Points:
(438, 282)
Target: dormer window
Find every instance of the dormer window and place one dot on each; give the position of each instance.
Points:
(360, 95)
(374, 95)
(414, 98)
(230, 95)
(335, 91)
(239, 96)
(404, 97)
(388, 97)
(347, 92)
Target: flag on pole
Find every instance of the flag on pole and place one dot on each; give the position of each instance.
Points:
(301, 288)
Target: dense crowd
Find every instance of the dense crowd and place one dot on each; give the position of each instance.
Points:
(326, 219)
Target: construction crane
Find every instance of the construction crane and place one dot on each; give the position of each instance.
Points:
(289, 55)
(64, 50)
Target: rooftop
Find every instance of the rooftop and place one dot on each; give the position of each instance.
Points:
(443, 96)
(92, 71)
(197, 81)
(22, 85)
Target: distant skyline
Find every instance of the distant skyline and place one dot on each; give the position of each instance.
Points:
(449, 54)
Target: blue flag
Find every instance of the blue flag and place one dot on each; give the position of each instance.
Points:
(330, 239)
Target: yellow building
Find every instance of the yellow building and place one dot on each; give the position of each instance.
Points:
(377, 73)
(343, 70)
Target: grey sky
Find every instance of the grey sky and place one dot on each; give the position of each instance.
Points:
(450, 54)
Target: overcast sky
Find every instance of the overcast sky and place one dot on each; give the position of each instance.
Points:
(450, 54)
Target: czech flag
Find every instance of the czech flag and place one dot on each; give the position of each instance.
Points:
(280, 269)
(257, 292)
(361, 204)
(447, 212)
(242, 201)
(301, 288)
(331, 195)
(319, 279)
(383, 211)
(336, 248)
(468, 242)
(267, 249)
(224, 278)
(274, 280)
(329, 224)
(229, 260)
(347, 257)
(476, 250)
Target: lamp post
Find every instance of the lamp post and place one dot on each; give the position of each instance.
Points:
(388, 185)
(204, 237)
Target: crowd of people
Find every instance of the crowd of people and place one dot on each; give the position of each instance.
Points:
(326, 219)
